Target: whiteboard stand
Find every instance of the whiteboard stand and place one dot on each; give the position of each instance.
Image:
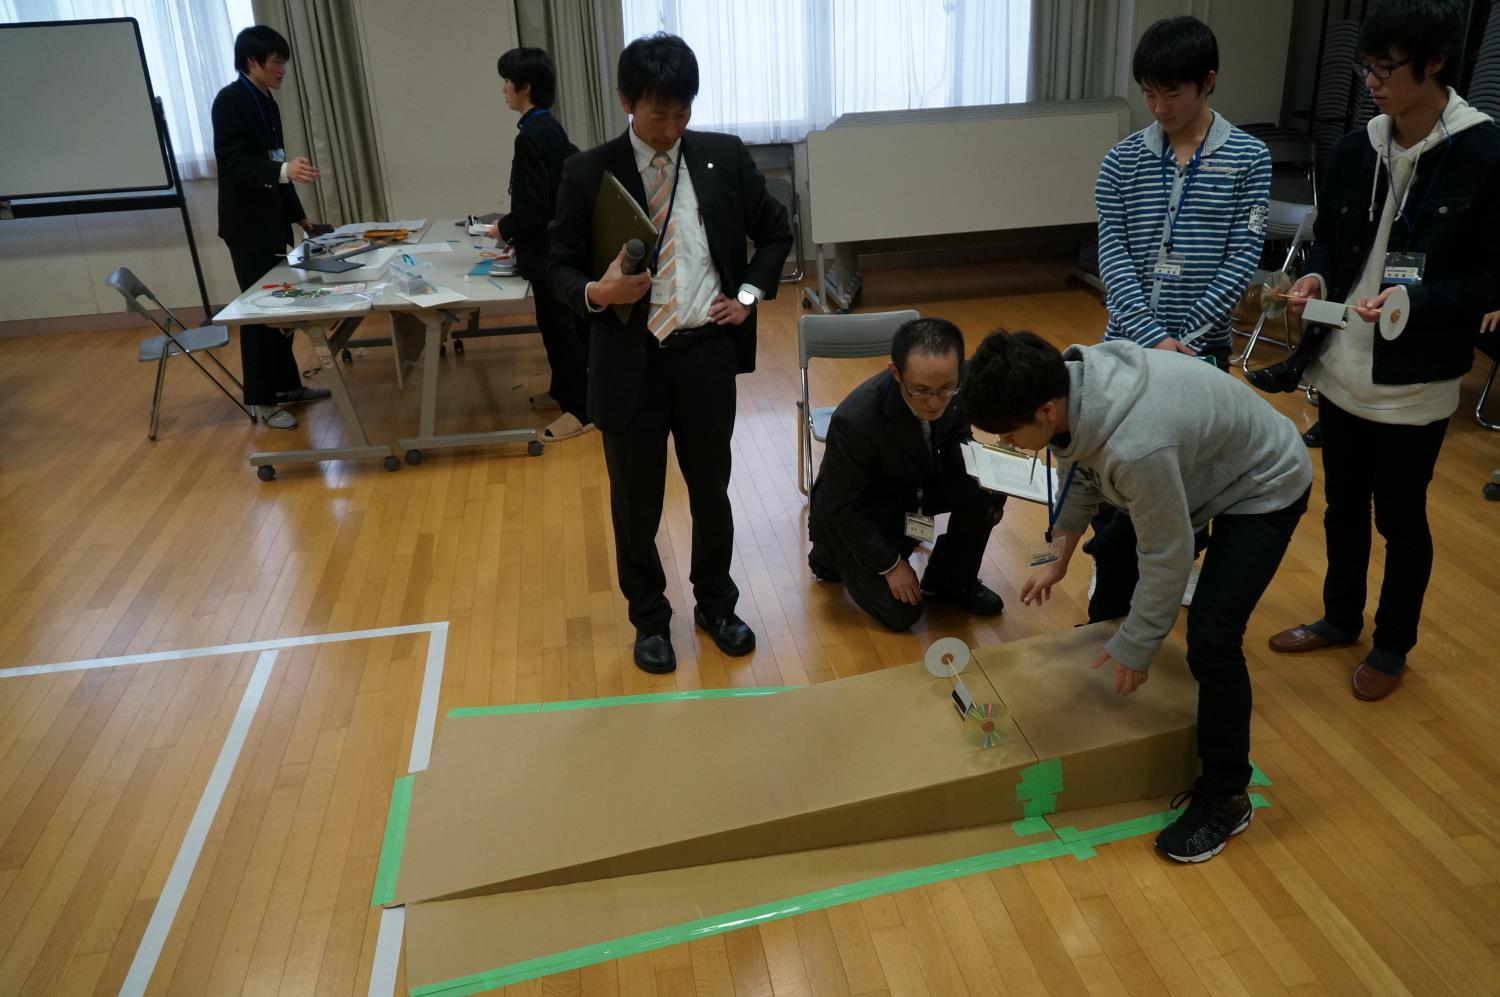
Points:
(175, 197)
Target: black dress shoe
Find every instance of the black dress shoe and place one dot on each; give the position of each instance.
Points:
(730, 633)
(975, 598)
(1314, 436)
(1279, 377)
(653, 653)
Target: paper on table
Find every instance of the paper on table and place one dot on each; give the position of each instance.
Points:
(428, 247)
(412, 225)
(432, 299)
(1009, 473)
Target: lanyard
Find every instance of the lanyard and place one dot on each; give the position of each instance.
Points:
(255, 94)
(1173, 217)
(661, 236)
(535, 112)
(1411, 222)
(1053, 511)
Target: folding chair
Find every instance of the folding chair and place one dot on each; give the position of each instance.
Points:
(182, 342)
(1489, 345)
(834, 337)
(1285, 219)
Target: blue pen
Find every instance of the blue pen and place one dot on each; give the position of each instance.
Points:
(406, 257)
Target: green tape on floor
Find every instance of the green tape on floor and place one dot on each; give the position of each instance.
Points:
(395, 839)
(1257, 777)
(590, 704)
(1031, 825)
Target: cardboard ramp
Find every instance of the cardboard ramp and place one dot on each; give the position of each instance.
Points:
(547, 832)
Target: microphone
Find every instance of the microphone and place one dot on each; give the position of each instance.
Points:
(635, 257)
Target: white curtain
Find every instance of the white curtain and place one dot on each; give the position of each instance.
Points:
(774, 70)
(189, 48)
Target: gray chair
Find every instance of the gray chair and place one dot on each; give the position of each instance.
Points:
(835, 337)
(1489, 345)
(1484, 84)
(1286, 221)
(182, 341)
(781, 190)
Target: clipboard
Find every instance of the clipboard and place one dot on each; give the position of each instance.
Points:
(618, 218)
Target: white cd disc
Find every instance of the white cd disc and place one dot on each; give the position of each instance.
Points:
(947, 657)
(1395, 313)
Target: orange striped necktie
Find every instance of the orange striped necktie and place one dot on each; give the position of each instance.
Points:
(662, 318)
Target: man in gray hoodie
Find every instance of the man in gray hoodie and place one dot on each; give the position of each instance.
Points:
(1176, 446)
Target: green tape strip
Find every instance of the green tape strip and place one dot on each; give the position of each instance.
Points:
(1038, 807)
(561, 706)
(1131, 828)
(395, 838)
(1257, 777)
(1031, 825)
(1039, 780)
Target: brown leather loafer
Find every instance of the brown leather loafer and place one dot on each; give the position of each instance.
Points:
(1371, 684)
(1300, 639)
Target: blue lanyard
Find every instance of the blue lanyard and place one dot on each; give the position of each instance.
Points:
(1053, 511)
(661, 236)
(1173, 217)
(255, 95)
(535, 112)
(1411, 222)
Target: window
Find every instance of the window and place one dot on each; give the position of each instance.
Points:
(189, 52)
(773, 70)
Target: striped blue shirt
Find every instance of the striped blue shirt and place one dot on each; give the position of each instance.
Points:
(1151, 293)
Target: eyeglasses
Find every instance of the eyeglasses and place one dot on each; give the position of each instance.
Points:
(1380, 70)
(944, 393)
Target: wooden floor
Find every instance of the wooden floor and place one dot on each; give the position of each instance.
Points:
(1374, 870)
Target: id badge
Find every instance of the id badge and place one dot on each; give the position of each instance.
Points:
(661, 290)
(278, 155)
(919, 528)
(1404, 268)
(1047, 553)
(1166, 270)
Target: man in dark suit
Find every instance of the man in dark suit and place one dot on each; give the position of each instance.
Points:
(670, 368)
(530, 85)
(892, 463)
(257, 206)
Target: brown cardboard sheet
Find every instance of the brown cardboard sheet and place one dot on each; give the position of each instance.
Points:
(522, 801)
(455, 938)
(539, 833)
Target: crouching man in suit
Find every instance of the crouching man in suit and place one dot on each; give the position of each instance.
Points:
(892, 462)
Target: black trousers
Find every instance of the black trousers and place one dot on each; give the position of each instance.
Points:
(1367, 463)
(1243, 553)
(268, 365)
(955, 556)
(565, 338)
(689, 394)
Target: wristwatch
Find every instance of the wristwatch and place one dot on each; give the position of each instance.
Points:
(747, 299)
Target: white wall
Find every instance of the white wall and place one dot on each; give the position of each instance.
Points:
(444, 132)
(444, 136)
(1253, 40)
(51, 267)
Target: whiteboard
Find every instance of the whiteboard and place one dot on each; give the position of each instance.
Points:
(77, 114)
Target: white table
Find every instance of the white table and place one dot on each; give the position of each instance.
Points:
(417, 332)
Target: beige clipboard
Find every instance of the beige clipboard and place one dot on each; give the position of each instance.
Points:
(618, 218)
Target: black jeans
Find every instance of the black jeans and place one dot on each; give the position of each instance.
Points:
(267, 364)
(955, 555)
(1243, 553)
(1390, 466)
(565, 338)
(689, 393)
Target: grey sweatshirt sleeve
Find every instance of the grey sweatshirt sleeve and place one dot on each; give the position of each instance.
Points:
(1164, 548)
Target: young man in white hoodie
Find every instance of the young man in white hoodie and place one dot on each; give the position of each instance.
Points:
(1176, 446)
(1414, 201)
